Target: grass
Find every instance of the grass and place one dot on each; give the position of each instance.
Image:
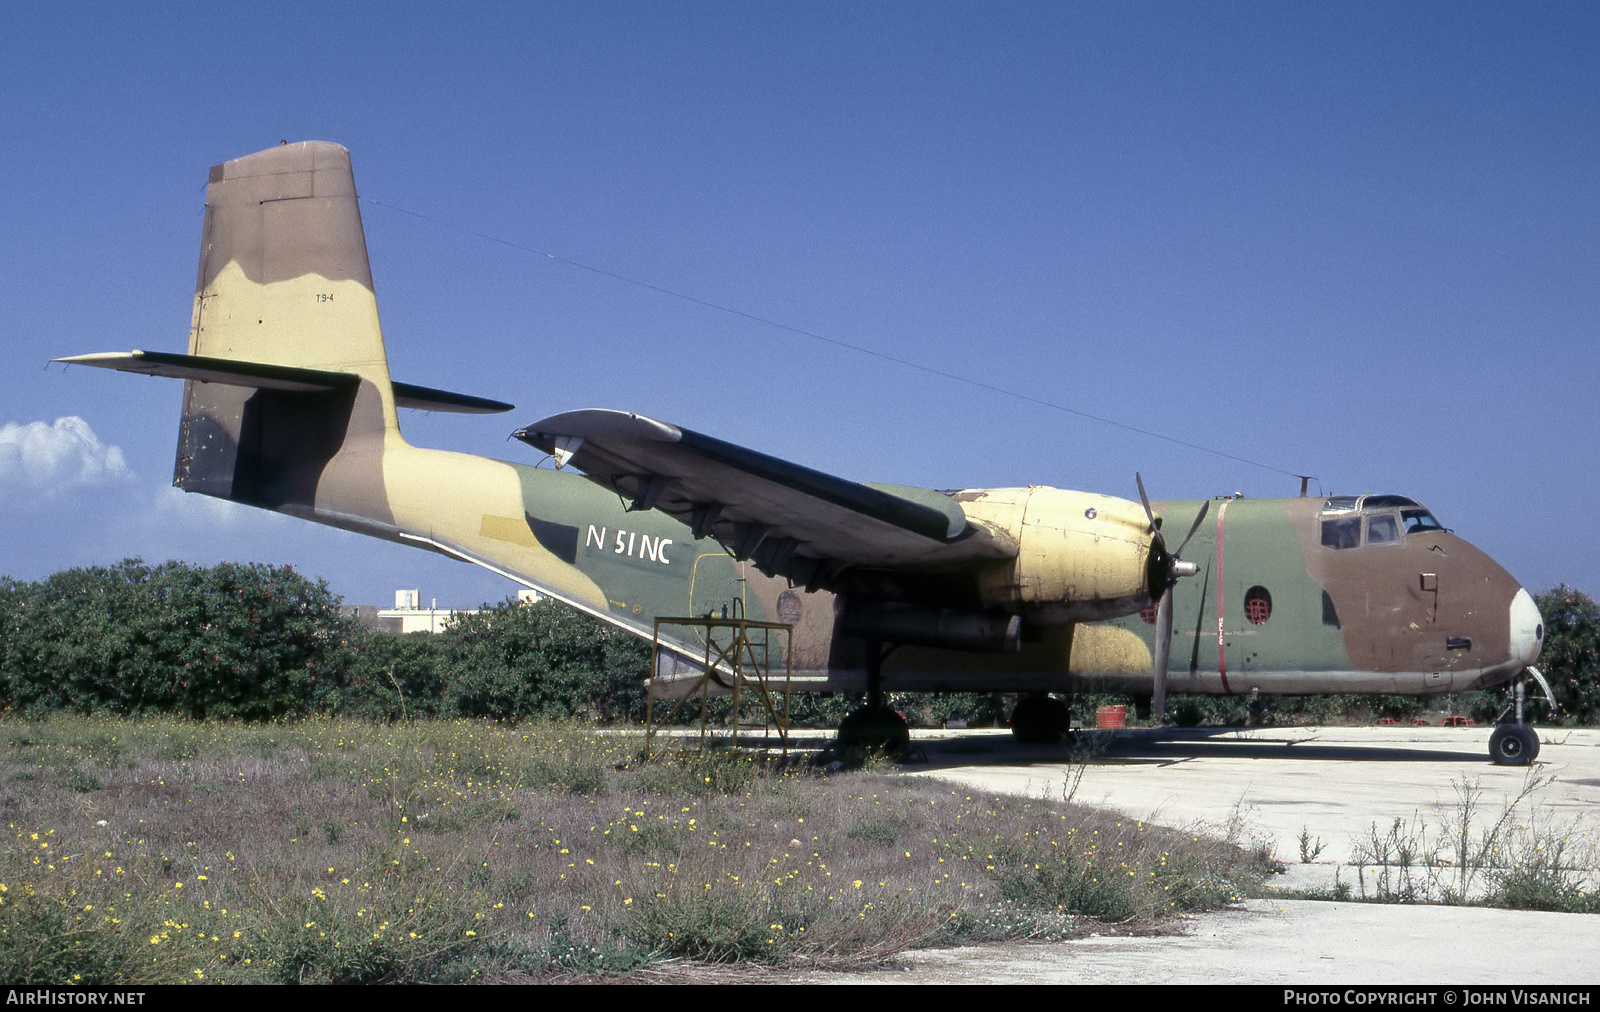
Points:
(157, 851)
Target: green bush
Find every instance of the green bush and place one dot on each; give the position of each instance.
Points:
(258, 642)
(232, 641)
(517, 661)
(1571, 656)
(396, 677)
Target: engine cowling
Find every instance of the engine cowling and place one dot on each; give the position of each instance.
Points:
(1080, 556)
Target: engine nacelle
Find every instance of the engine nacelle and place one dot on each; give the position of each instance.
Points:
(1080, 556)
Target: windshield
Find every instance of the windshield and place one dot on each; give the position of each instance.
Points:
(1419, 520)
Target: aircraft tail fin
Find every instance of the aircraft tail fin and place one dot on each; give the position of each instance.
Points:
(285, 284)
(287, 402)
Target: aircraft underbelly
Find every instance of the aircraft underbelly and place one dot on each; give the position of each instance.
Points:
(1300, 683)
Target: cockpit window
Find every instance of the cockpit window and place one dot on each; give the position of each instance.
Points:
(1391, 501)
(1344, 515)
(1342, 533)
(1419, 520)
(1382, 530)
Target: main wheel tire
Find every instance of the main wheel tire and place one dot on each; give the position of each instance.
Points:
(1513, 745)
(1040, 720)
(874, 727)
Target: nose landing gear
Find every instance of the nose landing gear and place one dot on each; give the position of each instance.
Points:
(1513, 745)
(1513, 742)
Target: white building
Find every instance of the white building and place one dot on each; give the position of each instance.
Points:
(409, 615)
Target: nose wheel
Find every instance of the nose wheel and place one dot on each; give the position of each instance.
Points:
(1513, 742)
(1513, 745)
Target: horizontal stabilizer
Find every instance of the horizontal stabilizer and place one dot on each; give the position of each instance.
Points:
(409, 395)
(262, 376)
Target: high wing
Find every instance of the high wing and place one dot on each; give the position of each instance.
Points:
(789, 520)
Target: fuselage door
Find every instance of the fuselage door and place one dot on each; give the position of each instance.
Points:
(717, 583)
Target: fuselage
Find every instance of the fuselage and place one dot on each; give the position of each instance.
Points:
(1291, 595)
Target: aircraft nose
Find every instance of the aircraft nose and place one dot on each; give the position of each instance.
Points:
(1527, 628)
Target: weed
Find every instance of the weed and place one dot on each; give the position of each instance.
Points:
(41, 942)
(713, 926)
(714, 771)
(881, 830)
(1239, 830)
(1337, 893)
(81, 780)
(609, 956)
(1545, 867)
(1309, 848)
(1004, 921)
(1398, 856)
(649, 838)
(1519, 859)
(322, 767)
(1085, 748)
(417, 938)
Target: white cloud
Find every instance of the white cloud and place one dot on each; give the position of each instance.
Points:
(57, 456)
(174, 505)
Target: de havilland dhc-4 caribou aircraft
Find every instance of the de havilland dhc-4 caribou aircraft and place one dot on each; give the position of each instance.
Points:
(288, 405)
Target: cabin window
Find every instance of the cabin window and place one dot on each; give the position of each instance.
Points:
(1382, 530)
(1344, 532)
(1257, 605)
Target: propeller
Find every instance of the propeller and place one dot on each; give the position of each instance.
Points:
(1176, 568)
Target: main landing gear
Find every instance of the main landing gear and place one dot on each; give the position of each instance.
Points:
(1513, 742)
(875, 726)
(1040, 719)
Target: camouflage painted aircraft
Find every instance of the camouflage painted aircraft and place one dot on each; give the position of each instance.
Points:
(288, 405)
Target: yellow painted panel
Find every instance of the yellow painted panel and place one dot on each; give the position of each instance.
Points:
(514, 530)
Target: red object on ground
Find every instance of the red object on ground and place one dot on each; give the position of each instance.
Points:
(1111, 717)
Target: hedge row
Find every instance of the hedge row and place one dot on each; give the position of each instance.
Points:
(258, 642)
(254, 642)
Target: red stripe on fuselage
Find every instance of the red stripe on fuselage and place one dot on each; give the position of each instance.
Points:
(1222, 652)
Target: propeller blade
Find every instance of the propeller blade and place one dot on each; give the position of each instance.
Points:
(1163, 630)
(1144, 500)
(1158, 696)
(1158, 542)
(1204, 507)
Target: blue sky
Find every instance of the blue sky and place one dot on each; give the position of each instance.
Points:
(1355, 241)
